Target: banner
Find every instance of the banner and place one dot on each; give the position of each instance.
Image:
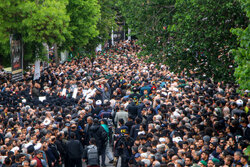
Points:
(45, 63)
(16, 51)
(98, 48)
(64, 92)
(129, 36)
(112, 37)
(37, 70)
(75, 93)
(64, 56)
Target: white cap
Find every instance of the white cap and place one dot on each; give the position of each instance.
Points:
(146, 161)
(176, 89)
(158, 117)
(38, 146)
(105, 101)
(81, 112)
(141, 133)
(239, 102)
(98, 102)
(46, 122)
(24, 101)
(177, 139)
(162, 140)
(144, 155)
(27, 145)
(14, 149)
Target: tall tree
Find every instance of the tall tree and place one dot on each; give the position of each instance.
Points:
(39, 21)
(201, 38)
(104, 25)
(148, 21)
(189, 35)
(242, 53)
(10, 21)
(84, 15)
(46, 22)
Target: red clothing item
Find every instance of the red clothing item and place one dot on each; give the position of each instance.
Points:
(39, 162)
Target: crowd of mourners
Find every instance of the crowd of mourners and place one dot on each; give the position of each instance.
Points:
(119, 107)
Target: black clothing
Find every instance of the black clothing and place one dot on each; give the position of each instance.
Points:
(96, 131)
(129, 124)
(76, 162)
(74, 149)
(35, 92)
(132, 110)
(123, 148)
(61, 148)
(134, 131)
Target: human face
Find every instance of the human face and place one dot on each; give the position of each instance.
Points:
(236, 157)
(22, 158)
(227, 162)
(204, 156)
(40, 155)
(188, 161)
(201, 164)
(26, 164)
(138, 159)
(89, 121)
(185, 146)
(200, 143)
(210, 163)
(243, 160)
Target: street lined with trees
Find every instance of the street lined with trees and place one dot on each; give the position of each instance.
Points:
(200, 38)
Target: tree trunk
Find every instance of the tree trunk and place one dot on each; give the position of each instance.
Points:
(56, 54)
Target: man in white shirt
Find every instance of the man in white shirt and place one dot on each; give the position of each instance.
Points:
(121, 114)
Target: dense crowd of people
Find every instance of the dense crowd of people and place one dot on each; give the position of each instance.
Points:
(120, 107)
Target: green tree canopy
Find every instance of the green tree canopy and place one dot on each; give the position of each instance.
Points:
(10, 22)
(45, 22)
(38, 22)
(242, 53)
(189, 35)
(104, 24)
(201, 38)
(84, 15)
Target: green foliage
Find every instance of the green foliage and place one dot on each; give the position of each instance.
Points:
(5, 54)
(77, 24)
(39, 21)
(202, 39)
(147, 20)
(10, 18)
(189, 35)
(247, 152)
(107, 19)
(84, 15)
(46, 22)
(242, 53)
(104, 25)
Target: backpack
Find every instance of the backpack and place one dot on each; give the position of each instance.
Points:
(92, 155)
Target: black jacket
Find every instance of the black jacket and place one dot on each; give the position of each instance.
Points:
(96, 131)
(123, 148)
(134, 131)
(61, 148)
(246, 133)
(55, 151)
(74, 149)
(132, 110)
(129, 124)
